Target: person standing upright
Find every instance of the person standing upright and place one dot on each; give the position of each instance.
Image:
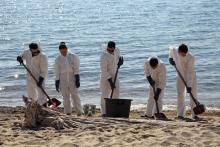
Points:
(185, 63)
(109, 61)
(67, 79)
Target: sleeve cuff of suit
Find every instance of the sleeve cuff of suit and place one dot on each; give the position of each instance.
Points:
(108, 77)
(76, 73)
(43, 75)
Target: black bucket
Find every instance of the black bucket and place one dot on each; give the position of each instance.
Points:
(117, 107)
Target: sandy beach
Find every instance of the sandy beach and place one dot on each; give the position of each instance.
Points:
(97, 131)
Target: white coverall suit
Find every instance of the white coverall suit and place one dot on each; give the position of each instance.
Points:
(187, 69)
(65, 69)
(108, 65)
(159, 76)
(38, 65)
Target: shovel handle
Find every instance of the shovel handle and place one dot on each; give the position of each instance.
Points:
(191, 95)
(29, 71)
(116, 74)
(154, 89)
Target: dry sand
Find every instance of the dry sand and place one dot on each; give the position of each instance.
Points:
(97, 131)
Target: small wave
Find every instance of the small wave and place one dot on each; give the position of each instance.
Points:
(2, 88)
(171, 107)
(13, 88)
(5, 39)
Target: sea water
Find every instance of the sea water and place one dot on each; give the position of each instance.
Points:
(141, 28)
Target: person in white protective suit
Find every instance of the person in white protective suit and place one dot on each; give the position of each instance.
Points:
(37, 62)
(184, 62)
(155, 72)
(67, 79)
(109, 61)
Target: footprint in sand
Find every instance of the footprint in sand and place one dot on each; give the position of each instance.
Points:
(25, 136)
(134, 131)
(165, 143)
(15, 135)
(129, 139)
(197, 138)
(147, 136)
(109, 135)
(108, 130)
(100, 130)
(69, 145)
(207, 142)
(167, 130)
(117, 133)
(186, 134)
(173, 139)
(101, 139)
(195, 131)
(206, 134)
(183, 145)
(137, 127)
(4, 131)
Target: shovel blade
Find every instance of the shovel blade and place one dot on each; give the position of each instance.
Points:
(160, 116)
(53, 103)
(199, 109)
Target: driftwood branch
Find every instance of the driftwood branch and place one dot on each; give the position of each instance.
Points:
(38, 116)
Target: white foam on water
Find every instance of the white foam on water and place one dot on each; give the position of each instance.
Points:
(138, 106)
(1, 88)
(16, 76)
(144, 106)
(212, 108)
(169, 107)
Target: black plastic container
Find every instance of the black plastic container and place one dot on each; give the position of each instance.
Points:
(117, 107)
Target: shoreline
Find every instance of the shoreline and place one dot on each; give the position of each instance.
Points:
(171, 107)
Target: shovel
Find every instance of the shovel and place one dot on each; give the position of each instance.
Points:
(199, 108)
(52, 102)
(158, 115)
